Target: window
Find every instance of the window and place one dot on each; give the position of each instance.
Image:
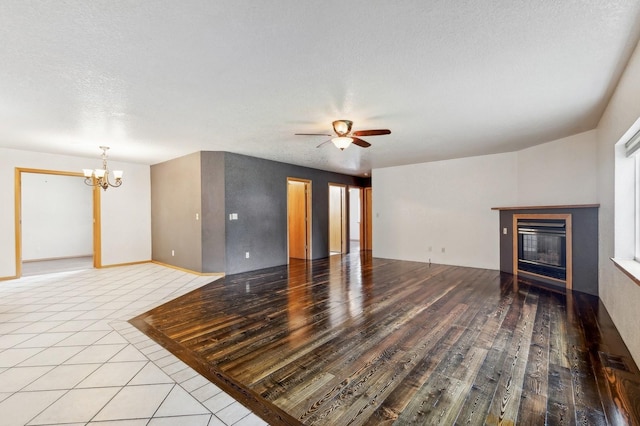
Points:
(626, 213)
(632, 149)
(633, 144)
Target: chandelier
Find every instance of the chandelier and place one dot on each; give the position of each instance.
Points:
(102, 175)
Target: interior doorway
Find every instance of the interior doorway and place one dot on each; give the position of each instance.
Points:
(299, 218)
(337, 218)
(355, 218)
(57, 222)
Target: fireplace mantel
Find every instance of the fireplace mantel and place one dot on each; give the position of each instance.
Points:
(567, 206)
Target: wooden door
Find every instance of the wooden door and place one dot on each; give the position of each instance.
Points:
(367, 240)
(337, 218)
(298, 199)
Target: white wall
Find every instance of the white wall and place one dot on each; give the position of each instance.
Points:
(620, 295)
(126, 216)
(443, 204)
(57, 217)
(125, 212)
(447, 204)
(563, 171)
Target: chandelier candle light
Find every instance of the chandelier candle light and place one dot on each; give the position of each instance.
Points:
(102, 175)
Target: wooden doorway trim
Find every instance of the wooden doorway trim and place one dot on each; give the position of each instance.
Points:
(568, 282)
(307, 216)
(366, 237)
(97, 252)
(339, 213)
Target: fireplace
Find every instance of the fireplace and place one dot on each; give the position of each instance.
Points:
(580, 245)
(542, 247)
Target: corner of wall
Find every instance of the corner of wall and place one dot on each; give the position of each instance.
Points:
(213, 226)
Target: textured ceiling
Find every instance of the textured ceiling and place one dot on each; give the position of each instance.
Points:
(159, 79)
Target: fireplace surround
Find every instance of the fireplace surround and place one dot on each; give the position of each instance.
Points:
(581, 239)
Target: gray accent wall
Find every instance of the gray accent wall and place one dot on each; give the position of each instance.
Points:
(256, 190)
(175, 200)
(217, 184)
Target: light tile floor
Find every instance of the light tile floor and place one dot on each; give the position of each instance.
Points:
(69, 356)
(39, 267)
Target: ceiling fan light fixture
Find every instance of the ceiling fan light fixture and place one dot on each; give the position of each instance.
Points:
(344, 137)
(342, 142)
(342, 127)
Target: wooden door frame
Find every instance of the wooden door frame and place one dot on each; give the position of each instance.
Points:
(307, 185)
(366, 239)
(343, 216)
(97, 246)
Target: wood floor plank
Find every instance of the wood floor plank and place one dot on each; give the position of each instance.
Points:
(560, 406)
(587, 402)
(356, 340)
(533, 400)
(506, 400)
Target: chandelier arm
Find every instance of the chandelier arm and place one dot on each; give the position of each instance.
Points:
(117, 183)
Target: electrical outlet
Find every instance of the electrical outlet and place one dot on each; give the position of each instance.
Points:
(246, 255)
(173, 252)
(197, 216)
(504, 231)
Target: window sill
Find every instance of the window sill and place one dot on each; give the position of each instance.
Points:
(631, 268)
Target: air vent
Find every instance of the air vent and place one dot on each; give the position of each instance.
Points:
(615, 362)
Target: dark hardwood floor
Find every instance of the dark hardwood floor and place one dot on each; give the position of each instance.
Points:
(359, 340)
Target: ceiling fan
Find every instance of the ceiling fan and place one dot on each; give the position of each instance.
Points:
(346, 137)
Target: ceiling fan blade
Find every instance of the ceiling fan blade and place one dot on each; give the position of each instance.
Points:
(360, 142)
(325, 142)
(311, 134)
(377, 132)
